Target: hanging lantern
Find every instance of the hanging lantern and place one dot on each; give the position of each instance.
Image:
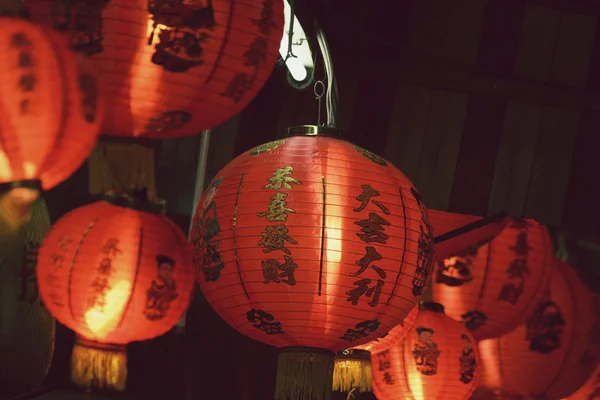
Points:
(445, 222)
(590, 390)
(494, 288)
(395, 334)
(27, 328)
(114, 273)
(352, 370)
(555, 352)
(172, 68)
(437, 360)
(51, 114)
(312, 245)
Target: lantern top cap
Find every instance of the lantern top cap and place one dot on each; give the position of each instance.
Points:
(431, 306)
(354, 354)
(136, 200)
(313, 130)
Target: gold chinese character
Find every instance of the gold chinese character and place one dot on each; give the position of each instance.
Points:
(277, 210)
(282, 178)
(274, 238)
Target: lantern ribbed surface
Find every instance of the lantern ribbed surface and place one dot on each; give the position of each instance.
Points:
(395, 334)
(494, 288)
(437, 360)
(556, 351)
(114, 274)
(444, 222)
(589, 390)
(174, 70)
(51, 110)
(312, 241)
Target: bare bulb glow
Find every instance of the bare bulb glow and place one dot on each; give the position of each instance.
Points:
(303, 60)
(296, 68)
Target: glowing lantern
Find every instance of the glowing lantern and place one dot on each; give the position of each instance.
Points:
(172, 68)
(555, 352)
(50, 114)
(590, 390)
(27, 328)
(312, 245)
(494, 288)
(437, 360)
(114, 274)
(445, 222)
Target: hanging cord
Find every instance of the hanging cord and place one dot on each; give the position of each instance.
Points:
(351, 395)
(290, 32)
(331, 92)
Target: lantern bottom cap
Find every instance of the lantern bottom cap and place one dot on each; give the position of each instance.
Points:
(304, 373)
(99, 366)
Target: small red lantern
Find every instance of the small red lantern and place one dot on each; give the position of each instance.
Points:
(114, 274)
(172, 68)
(51, 110)
(555, 352)
(437, 360)
(494, 288)
(312, 245)
(445, 222)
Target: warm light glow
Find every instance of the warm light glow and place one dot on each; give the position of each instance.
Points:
(416, 384)
(489, 354)
(102, 322)
(300, 48)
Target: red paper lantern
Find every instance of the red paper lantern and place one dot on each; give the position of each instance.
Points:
(51, 110)
(312, 242)
(114, 275)
(590, 390)
(444, 222)
(494, 288)
(438, 360)
(172, 68)
(555, 352)
(395, 334)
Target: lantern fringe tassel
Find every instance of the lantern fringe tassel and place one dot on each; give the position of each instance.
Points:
(122, 167)
(352, 374)
(99, 366)
(304, 373)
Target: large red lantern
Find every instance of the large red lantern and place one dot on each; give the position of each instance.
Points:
(51, 111)
(437, 360)
(494, 288)
(172, 68)
(312, 245)
(114, 274)
(590, 390)
(555, 352)
(445, 223)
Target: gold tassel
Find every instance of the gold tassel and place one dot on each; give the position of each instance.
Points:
(122, 167)
(304, 373)
(352, 370)
(15, 210)
(99, 366)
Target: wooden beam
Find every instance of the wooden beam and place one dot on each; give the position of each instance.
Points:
(462, 80)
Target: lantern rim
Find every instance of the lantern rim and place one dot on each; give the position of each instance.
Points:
(136, 202)
(98, 345)
(294, 349)
(314, 130)
(432, 306)
(33, 184)
(354, 354)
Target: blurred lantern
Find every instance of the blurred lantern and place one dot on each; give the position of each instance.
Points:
(437, 360)
(114, 273)
(312, 245)
(50, 116)
(494, 288)
(352, 370)
(444, 223)
(555, 352)
(590, 390)
(26, 327)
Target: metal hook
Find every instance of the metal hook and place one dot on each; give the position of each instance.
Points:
(319, 90)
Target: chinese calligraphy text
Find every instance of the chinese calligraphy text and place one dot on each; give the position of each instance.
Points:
(384, 366)
(425, 249)
(101, 283)
(26, 64)
(360, 330)
(264, 321)
(208, 256)
(517, 271)
(58, 262)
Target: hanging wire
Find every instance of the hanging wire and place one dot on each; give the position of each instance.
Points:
(290, 31)
(331, 92)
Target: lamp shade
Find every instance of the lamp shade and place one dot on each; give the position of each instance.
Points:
(396, 333)
(51, 110)
(436, 360)
(312, 242)
(494, 288)
(26, 327)
(444, 222)
(114, 275)
(170, 68)
(555, 352)
(590, 390)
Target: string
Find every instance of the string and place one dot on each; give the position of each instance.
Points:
(331, 92)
